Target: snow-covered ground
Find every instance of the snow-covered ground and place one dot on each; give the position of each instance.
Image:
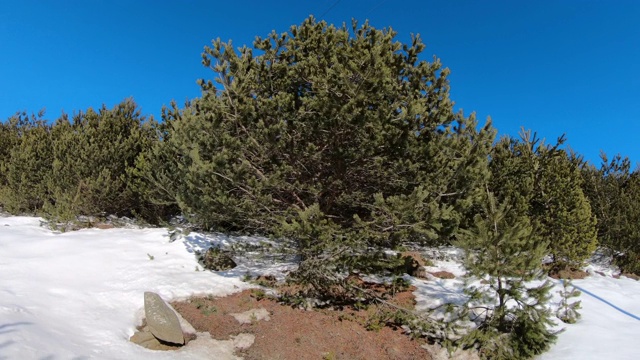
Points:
(609, 327)
(610, 324)
(79, 295)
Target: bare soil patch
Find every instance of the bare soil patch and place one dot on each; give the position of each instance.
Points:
(630, 276)
(571, 274)
(443, 274)
(294, 333)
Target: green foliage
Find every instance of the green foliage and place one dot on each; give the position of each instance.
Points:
(399, 284)
(72, 168)
(155, 175)
(614, 194)
(94, 155)
(10, 133)
(205, 309)
(26, 163)
(258, 294)
(338, 139)
(567, 310)
(565, 213)
(511, 316)
(543, 185)
(629, 261)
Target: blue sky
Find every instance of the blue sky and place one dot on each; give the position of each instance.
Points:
(553, 66)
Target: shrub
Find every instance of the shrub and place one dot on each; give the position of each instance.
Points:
(26, 164)
(94, 155)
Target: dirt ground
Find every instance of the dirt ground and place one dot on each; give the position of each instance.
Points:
(294, 333)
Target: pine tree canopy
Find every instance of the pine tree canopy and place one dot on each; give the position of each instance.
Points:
(544, 186)
(613, 191)
(345, 120)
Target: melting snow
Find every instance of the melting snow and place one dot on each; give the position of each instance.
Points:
(80, 294)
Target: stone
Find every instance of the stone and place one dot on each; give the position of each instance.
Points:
(146, 339)
(243, 341)
(162, 321)
(414, 263)
(217, 260)
(252, 315)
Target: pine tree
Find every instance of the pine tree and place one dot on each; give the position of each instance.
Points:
(564, 212)
(330, 135)
(567, 310)
(510, 313)
(613, 191)
(155, 176)
(26, 167)
(544, 186)
(9, 139)
(324, 116)
(94, 155)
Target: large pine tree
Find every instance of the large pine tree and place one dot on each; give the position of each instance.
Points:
(327, 136)
(327, 116)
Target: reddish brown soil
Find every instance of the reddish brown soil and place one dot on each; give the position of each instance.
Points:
(629, 275)
(571, 274)
(296, 334)
(443, 274)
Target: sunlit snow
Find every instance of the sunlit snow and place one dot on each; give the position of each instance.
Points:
(79, 295)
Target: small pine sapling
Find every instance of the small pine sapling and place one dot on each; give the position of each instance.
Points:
(567, 310)
(506, 253)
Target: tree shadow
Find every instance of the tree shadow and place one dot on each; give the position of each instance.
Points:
(245, 250)
(436, 290)
(197, 243)
(11, 327)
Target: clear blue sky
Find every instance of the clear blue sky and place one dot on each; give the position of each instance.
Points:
(554, 66)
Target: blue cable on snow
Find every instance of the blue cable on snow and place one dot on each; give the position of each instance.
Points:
(605, 301)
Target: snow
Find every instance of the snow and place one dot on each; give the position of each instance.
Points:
(604, 331)
(79, 295)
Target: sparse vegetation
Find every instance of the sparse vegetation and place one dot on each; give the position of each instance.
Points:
(567, 310)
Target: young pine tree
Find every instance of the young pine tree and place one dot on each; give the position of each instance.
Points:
(613, 191)
(568, 310)
(509, 310)
(94, 155)
(27, 168)
(543, 186)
